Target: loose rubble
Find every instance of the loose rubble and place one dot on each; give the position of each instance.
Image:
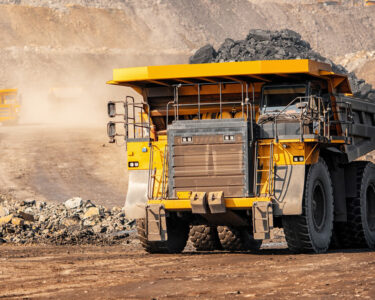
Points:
(268, 45)
(74, 222)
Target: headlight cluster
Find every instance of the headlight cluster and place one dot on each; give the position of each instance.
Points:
(228, 137)
(133, 164)
(187, 139)
(298, 158)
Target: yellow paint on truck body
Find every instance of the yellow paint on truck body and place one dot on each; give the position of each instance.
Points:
(9, 105)
(140, 152)
(141, 76)
(284, 152)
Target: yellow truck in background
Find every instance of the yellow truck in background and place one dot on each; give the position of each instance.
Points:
(9, 106)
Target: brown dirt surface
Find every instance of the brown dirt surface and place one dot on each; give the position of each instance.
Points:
(54, 163)
(126, 272)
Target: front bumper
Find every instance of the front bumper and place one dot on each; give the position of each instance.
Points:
(231, 203)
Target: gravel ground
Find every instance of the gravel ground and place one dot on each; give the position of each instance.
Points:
(73, 222)
(126, 272)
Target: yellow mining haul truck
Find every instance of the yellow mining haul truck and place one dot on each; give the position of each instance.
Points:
(9, 106)
(225, 152)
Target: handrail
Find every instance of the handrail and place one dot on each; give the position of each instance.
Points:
(177, 105)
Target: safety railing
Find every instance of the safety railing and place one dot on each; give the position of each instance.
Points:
(247, 107)
(136, 119)
(312, 112)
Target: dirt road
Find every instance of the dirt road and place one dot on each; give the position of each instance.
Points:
(54, 163)
(126, 272)
(51, 163)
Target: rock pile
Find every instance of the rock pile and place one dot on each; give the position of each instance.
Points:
(267, 45)
(74, 222)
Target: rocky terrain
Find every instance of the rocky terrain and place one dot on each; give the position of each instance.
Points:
(73, 222)
(268, 45)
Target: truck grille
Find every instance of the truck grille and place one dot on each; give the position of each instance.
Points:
(208, 162)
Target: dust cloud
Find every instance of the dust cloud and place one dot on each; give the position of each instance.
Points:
(67, 100)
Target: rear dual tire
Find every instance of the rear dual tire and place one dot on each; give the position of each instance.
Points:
(204, 238)
(237, 239)
(177, 230)
(359, 230)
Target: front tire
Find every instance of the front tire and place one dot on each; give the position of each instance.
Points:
(312, 231)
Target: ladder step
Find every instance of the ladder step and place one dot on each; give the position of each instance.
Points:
(263, 170)
(269, 157)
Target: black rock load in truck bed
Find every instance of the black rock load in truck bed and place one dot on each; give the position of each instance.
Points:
(268, 45)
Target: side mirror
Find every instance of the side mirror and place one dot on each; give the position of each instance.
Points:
(111, 108)
(301, 105)
(111, 131)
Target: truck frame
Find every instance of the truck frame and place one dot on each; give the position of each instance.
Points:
(225, 152)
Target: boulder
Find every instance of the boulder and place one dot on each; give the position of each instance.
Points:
(203, 55)
(3, 211)
(89, 204)
(41, 205)
(371, 96)
(365, 89)
(28, 202)
(74, 202)
(70, 222)
(26, 216)
(6, 219)
(92, 212)
(17, 221)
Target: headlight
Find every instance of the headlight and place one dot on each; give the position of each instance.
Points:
(298, 158)
(187, 139)
(133, 164)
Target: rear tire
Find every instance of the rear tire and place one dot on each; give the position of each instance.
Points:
(177, 230)
(204, 238)
(237, 239)
(312, 231)
(359, 230)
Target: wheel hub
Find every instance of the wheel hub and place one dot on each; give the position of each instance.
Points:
(370, 204)
(318, 206)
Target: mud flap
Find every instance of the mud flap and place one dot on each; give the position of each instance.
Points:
(289, 188)
(198, 203)
(216, 202)
(156, 223)
(136, 198)
(262, 220)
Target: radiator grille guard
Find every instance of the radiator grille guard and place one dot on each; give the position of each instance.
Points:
(210, 155)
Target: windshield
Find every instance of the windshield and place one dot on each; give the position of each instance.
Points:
(276, 98)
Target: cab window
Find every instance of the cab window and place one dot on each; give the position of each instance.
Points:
(275, 99)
